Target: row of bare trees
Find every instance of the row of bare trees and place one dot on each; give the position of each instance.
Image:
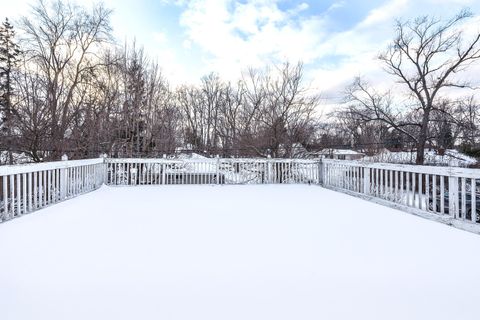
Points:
(68, 88)
(266, 112)
(75, 92)
(454, 124)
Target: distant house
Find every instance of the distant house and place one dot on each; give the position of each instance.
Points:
(340, 154)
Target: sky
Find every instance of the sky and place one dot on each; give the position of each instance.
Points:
(336, 40)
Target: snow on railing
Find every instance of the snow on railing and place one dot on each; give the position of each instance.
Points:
(26, 188)
(450, 192)
(210, 171)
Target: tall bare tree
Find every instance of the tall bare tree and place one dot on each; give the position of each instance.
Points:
(63, 40)
(426, 57)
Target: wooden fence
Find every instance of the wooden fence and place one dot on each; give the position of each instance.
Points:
(26, 188)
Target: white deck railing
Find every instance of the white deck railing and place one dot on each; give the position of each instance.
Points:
(29, 187)
(210, 171)
(449, 193)
(444, 191)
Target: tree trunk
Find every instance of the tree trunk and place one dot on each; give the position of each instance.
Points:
(420, 152)
(422, 139)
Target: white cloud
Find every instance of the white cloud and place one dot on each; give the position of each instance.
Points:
(236, 35)
(385, 13)
(361, 45)
(337, 5)
(187, 44)
(230, 35)
(160, 37)
(11, 9)
(300, 8)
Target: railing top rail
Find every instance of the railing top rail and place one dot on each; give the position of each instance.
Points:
(213, 160)
(42, 166)
(143, 160)
(445, 171)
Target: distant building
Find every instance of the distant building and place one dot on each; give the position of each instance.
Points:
(339, 154)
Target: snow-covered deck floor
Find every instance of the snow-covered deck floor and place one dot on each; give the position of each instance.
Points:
(234, 252)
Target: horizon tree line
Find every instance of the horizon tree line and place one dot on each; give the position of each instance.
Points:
(66, 87)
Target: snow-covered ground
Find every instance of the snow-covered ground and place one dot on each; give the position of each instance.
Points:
(234, 252)
(452, 158)
(17, 158)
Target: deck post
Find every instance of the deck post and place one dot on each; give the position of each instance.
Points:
(163, 168)
(366, 180)
(104, 172)
(320, 172)
(453, 202)
(63, 179)
(269, 169)
(218, 169)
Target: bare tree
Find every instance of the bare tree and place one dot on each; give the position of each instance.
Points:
(426, 57)
(287, 113)
(468, 111)
(63, 40)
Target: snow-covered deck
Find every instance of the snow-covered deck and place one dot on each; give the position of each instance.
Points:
(234, 252)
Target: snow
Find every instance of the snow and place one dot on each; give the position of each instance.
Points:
(234, 252)
(189, 156)
(16, 157)
(339, 152)
(452, 158)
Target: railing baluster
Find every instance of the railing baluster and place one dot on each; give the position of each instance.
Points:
(420, 191)
(464, 198)
(24, 192)
(18, 195)
(5, 198)
(473, 200)
(427, 192)
(442, 193)
(35, 190)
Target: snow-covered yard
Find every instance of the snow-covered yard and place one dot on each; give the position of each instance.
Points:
(234, 252)
(451, 158)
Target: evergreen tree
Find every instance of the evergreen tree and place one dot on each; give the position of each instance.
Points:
(9, 55)
(445, 138)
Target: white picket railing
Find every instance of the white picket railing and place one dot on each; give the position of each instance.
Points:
(26, 188)
(441, 191)
(210, 171)
(450, 191)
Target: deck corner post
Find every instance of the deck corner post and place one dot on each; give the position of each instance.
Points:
(63, 180)
(453, 202)
(366, 180)
(320, 172)
(163, 173)
(104, 172)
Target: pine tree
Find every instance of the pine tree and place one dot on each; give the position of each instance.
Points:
(446, 139)
(9, 55)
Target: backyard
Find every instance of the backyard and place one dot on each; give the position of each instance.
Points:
(234, 252)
